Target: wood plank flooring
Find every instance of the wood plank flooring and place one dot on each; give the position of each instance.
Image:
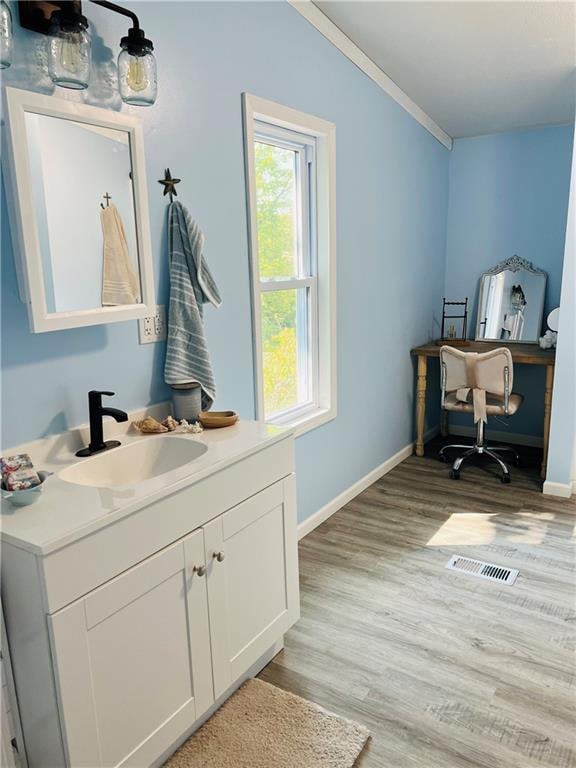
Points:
(447, 671)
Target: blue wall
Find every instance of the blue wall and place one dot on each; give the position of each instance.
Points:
(392, 188)
(509, 195)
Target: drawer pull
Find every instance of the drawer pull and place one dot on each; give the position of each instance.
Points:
(219, 556)
(199, 569)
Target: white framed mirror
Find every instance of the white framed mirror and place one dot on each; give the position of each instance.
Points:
(511, 302)
(79, 212)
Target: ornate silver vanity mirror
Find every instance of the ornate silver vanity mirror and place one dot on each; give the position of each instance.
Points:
(79, 212)
(511, 302)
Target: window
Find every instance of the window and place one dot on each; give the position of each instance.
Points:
(290, 176)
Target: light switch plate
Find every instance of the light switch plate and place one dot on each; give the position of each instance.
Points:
(153, 327)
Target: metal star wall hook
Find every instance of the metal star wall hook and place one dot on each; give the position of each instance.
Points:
(169, 184)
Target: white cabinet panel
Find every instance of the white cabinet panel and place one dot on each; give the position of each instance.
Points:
(252, 588)
(140, 668)
(124, 663)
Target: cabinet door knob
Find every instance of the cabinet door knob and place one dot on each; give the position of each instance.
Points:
(219, 556)
(199, 569)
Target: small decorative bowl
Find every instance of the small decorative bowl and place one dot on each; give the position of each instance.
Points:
(217, 419)
(28, 496)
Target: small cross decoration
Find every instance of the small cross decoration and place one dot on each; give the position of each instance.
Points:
(169, 184)
(107, 198)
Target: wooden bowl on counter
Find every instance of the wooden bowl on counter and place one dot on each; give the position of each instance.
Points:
(217, 419)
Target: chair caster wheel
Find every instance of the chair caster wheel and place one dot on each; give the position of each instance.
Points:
(505, 478)
(455, 474)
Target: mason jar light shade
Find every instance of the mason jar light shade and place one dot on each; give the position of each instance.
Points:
(137, 77)
(5, 36)
(69, 51)
(137, 68)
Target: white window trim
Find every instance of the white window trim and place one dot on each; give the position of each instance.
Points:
(324, 132)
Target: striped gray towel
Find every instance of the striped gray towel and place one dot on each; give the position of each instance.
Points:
(191, 286)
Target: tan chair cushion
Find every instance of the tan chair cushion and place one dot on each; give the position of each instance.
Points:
(487, 369)
(494, 404)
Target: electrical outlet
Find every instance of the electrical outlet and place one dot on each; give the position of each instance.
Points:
(153, 327)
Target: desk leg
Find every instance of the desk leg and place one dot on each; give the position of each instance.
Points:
(420, 403)
(547, 413)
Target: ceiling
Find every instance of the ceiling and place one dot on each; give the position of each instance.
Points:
(474, 67)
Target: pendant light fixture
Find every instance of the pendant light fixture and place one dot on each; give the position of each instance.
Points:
(69, 48)
(5, 36)
(136, 63)
(137, 69)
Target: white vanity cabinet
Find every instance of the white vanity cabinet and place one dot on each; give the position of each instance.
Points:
(136, 663)
(133, 657)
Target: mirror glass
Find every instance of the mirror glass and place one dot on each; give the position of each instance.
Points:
(83, 197)
(511, 302)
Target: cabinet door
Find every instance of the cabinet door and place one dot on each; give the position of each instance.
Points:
(251, 555)
(132, 660)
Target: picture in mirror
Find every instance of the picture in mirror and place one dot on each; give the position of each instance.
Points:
(82, 192)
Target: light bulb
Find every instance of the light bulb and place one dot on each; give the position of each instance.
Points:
(136, 75)
(70, 56)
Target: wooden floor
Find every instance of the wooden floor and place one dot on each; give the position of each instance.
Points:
(445, 669)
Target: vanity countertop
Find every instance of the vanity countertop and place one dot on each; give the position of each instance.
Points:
(66, 512)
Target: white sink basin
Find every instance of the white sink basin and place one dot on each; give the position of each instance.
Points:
(134, 463)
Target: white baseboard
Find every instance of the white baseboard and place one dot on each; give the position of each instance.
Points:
(308, 525)
(563, 490)
(500, 436)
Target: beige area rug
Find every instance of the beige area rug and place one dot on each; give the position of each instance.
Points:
(262, 726)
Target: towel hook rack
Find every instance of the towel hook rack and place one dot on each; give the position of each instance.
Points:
(107, 198)
(169, 184)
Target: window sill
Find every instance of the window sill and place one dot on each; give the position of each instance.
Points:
(306, 422)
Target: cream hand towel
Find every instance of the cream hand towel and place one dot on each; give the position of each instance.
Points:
(120, 284)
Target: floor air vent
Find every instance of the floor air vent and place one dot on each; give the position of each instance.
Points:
(482, 570)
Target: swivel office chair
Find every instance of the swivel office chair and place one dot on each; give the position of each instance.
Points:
(478, 383)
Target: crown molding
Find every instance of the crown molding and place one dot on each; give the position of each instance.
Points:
(334, 34)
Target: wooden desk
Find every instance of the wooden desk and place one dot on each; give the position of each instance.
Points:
(525, 354)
